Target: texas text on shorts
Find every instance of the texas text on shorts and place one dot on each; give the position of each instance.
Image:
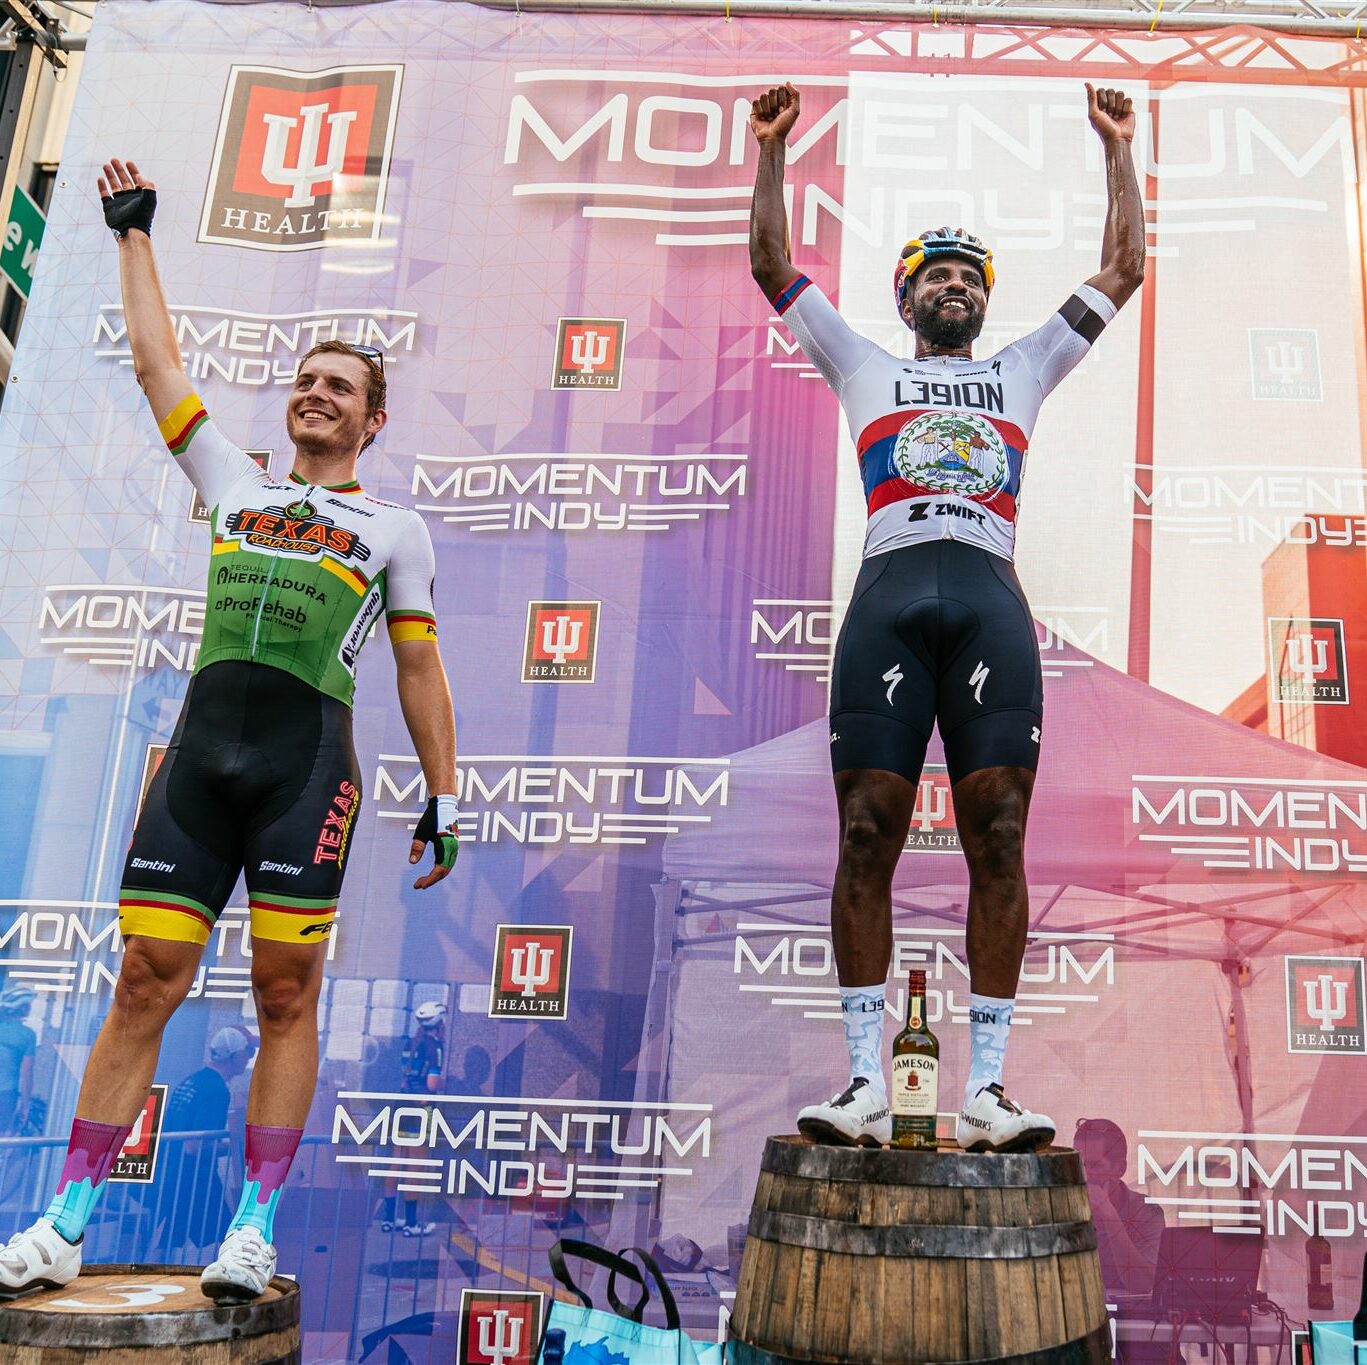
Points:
(938, 630)
(260, 777)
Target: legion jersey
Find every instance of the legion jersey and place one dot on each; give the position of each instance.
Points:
(941, 441)
(300, 572)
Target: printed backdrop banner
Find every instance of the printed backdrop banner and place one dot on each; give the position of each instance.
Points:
(647, 519)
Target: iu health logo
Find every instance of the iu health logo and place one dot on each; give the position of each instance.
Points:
(932, 827)
(562, 642)
(1324, 1005)
(498, 1328)
(531, 976)
(1308, 661)
(136, 1162)
(588, 353)
(301, 159)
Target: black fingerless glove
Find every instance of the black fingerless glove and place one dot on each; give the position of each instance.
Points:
(130, 209)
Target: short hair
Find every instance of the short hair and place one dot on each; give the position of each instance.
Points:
(376, 390)
(1108, 1135)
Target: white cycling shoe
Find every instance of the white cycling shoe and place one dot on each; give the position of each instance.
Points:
(245, 1266)
(857, 1117)
(37, 1258)
(989, 1122)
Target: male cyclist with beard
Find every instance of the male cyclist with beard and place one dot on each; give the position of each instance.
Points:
(938, 629)
(260, 776)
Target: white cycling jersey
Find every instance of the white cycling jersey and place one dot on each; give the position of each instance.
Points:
(941, 440)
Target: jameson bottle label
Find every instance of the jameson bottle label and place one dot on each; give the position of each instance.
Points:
(914, 1085)
(915, 1073)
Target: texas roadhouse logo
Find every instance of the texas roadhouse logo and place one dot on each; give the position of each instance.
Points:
(588, 353)
(562, 642)
(531, 973)
(301, 159)
(1308, 660)
(499, 1327)
(1325, 1004)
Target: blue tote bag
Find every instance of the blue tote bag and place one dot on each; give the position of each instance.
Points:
(621, 1336)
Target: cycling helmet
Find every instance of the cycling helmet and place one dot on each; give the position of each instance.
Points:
(940, 242)
(430, 1013)
(16, 1000)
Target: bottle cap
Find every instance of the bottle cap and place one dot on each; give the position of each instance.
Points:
(918, 981)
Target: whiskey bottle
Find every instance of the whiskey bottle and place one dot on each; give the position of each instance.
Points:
(915, 1073)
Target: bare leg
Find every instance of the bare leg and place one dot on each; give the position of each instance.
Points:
(155, 977)
(991, 807)
(286, 979)
(875, 814)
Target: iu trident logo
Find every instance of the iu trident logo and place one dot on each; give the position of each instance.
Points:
(498, 1327)
(302, 157)
(561, 643)
(1324, 1005)
(531, 971)
(588, 353)
(309, 170)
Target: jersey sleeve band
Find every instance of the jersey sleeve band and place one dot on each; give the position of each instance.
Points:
(180, 426)
(784, 300)
(1082, 319)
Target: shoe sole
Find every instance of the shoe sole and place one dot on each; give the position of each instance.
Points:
(1031, 1140)
(33, 1287)
(221, 1291)
(818, 1130)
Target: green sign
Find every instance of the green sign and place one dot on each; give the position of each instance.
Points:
(23, 236)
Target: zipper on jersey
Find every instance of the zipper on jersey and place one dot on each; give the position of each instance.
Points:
(265, 592)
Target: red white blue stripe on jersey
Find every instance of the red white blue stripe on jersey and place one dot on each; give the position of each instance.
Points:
(884, 484)
(784, 301)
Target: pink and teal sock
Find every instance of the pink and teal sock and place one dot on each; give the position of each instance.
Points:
(90, 1155)
(270, 1152)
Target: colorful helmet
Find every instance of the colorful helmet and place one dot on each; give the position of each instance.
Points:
(940, 242)
(430, 1013)
(17, 999)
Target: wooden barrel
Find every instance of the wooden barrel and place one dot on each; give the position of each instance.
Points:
(889, 1257)
(149, 1315)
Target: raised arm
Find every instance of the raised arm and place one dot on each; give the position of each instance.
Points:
(772, 116)
(1111, 114)
(129, 201)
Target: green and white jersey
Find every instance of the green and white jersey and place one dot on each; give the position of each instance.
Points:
(300, 572)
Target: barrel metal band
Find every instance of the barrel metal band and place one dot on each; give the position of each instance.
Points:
(923, 1239)
(971, 1170)
(1092, 1349)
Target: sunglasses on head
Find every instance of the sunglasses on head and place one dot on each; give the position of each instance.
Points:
(370, 353)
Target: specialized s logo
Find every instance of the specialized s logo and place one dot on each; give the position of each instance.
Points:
(296, 529)
(499, 1327)
(952, 452)
(301, 160)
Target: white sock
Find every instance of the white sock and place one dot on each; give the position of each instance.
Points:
(989, 1024)
(861, 1010)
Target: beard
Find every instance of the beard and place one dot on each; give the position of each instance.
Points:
(339, 441)
(947, 331)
